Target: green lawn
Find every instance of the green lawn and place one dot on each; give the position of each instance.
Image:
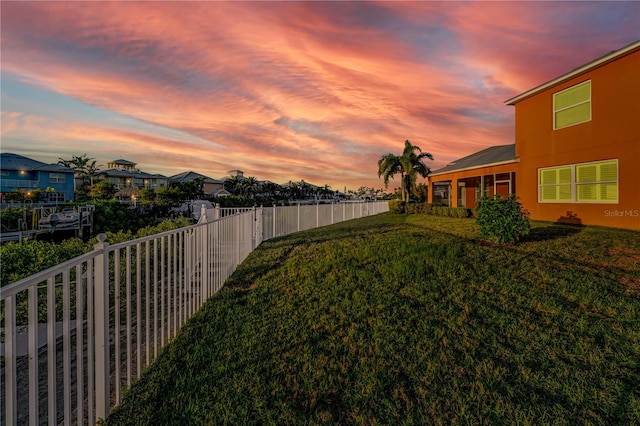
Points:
(411, 320)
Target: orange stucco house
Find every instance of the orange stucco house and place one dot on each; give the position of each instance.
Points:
(576, 156)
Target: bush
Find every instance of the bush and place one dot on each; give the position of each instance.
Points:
(19, 260)
(12, 218)
(502, 220)
(113, 216)
(397, 206)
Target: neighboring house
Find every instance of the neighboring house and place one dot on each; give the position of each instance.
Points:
(577, 145)
(238, 173)
(124, 174)
(210, 187)
(488, 172)
(22, 173)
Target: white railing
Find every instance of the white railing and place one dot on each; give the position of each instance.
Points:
(75, 336)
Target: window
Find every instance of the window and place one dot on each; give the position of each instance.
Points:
(55, 197)
(555, 184)
(56, 177)
(572, 106)
(595, 182)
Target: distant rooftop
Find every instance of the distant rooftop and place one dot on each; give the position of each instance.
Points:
(9, 161)
(189, 176)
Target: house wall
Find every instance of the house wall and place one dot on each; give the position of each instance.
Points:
(65, 187)
(209, 187)
(612, 133)
(13, 180)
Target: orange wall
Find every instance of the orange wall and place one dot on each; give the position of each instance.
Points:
(612, 133)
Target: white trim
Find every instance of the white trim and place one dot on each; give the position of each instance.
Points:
(583, 69)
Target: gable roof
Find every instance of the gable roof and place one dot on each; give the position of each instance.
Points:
(9, 161)
(126, 173)
(491, 156)
(189, 176)
(609, 57)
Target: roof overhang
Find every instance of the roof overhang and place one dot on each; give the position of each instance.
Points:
(581, 70)
(480, 166)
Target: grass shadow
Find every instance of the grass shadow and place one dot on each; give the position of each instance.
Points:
(553, 232)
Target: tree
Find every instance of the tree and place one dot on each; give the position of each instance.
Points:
(191, 190)
(83, 166)
(421, 191)
(147, 195)
(409, 165)
(250, 187)
(104, 190)
(91, 170)
(234, 185)
(325, 191)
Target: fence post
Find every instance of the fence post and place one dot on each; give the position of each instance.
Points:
(101, 310)
(317, 214)
(203, 214)
(254, 231)
(204, 278)
(332, 205)
(298, 216)
(274, 220)
(216, 214)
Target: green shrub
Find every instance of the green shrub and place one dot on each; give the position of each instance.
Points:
(12, 218)
(19, 260)
(115, 216)
(461, 212)
(397, 206)
(502, 219)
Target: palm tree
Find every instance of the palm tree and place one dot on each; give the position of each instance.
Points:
(82, 165)
(409, 165)
(250, 186)
(234, 185)
(91, 170)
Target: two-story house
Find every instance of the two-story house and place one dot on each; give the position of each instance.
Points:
(578, 139)
(21, 173)
(125, 174)
(577, 143)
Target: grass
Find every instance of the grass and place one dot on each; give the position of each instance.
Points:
(401, 319)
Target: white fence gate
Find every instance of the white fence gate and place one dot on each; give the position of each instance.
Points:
(75, 336)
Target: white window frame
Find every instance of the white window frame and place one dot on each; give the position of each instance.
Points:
(575, 184)
(555, 111)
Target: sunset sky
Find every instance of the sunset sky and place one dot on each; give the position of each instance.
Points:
(284, 90)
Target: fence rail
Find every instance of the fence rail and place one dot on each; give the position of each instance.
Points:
(75, 336)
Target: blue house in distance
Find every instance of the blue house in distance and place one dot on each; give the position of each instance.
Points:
(22, 173)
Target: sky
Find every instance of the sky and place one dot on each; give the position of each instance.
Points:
(313, 91)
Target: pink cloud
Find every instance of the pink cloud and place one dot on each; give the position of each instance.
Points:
(314, 91)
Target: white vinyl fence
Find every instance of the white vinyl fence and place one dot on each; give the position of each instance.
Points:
(75, 336)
